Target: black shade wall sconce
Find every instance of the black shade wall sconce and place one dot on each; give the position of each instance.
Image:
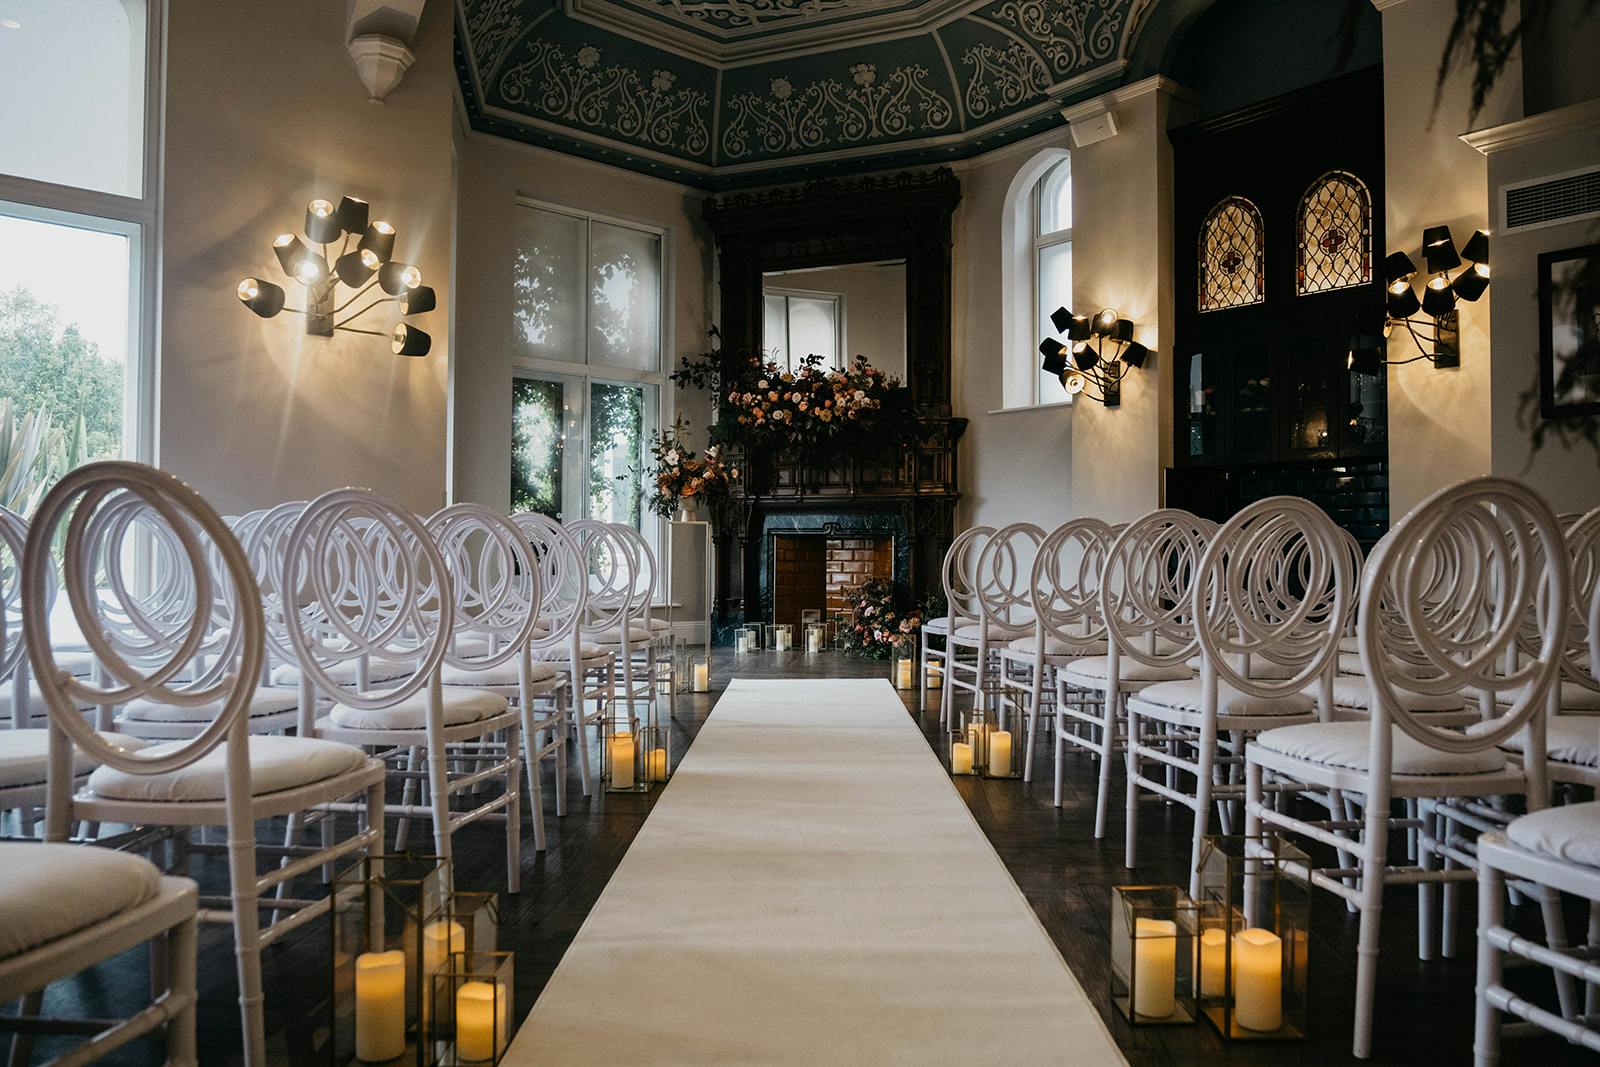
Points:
(358, 266)
(1098, 352)
(1438, 336)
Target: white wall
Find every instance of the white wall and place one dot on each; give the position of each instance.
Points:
(264, 111)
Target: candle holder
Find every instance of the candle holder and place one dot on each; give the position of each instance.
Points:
(816, 638)
(747, 639)
(783, 638)
(621, 768)
(700, 673)
(934, 679)
(392, 929)
(474, 1018)
(969, 741)
(1152, 954)
(1255, 921)
(655, 754)
(905, 662)
(769, 635)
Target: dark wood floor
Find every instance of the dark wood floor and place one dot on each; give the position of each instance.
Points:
(1424, 1013)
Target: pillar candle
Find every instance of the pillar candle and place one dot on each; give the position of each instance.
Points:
(380, 1005)
(702, 677)
(902, 674)
(656, 765)
(1213, 967)
(935, 676)
(1155, 962)
(439, 939)
(999, 763)
(622, 761)
(1257, 979)
(960, 758)
(480, 1021)
(813, 641)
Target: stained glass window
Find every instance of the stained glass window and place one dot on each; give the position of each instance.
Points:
(1335, 234)
(1232, 264)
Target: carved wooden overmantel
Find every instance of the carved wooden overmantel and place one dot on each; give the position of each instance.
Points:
(902, 216)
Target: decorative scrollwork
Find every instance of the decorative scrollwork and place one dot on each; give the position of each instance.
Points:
(492, 27)
(828, 112)
(1002, 78)
(746, 14)
(1072, 34)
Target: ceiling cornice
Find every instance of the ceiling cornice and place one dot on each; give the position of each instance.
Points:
(1535, 129)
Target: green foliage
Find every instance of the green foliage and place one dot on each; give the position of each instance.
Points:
(537, 446)
(616, 425)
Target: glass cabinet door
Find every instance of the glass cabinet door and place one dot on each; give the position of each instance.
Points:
(1309, 410)
(1200, 403)
(1251, 386)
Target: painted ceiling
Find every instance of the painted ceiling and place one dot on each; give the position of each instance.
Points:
(721, 93)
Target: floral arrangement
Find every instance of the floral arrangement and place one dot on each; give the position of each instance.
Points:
(681, 474)
(876, 620)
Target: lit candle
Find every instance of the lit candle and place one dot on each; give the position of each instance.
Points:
(813, 642)
(902, 674)
(741, 642)
(656, 764)
(439, 939)
(480, 1021)
(1000, 753)
(1213, 967)
(1257, 979)
(380, 1005)
(935, 676)
(1155, 967)
(960, 758)
(781, 640)
(622, 761)
(702, 677)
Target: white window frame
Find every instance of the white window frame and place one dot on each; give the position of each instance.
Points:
(1020, 244)
(136, 218)
(840, 333)
(586, 375)
(1042, 241)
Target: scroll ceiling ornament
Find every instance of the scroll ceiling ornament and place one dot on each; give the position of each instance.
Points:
(1073, 34)
(830, 113)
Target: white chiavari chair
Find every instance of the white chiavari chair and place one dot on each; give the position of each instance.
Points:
(621, 587)
(1506, 560)
(960, 579)
(223, 775)
(961, 553)
(496, 576)
(1005, 613)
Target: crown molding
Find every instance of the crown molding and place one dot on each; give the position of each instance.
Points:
(1536, 129)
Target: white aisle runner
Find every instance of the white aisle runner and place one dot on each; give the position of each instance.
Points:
(811, 889)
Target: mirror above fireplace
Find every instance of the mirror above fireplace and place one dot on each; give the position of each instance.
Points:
(837, 312)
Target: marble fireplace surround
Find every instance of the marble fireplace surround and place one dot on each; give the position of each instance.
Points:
(857, 522)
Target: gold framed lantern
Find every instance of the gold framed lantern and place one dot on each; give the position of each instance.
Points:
(1255, 917)
(1152, 954)
(475, 1014)
(969, 741)
(621, 765)
(904, 671)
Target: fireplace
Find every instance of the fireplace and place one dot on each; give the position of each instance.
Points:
(816, 571)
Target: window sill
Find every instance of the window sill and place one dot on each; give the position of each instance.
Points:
(1060, 405)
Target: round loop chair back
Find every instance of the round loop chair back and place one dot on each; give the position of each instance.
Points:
(563, 586)
(1005, 578)
(367, 580)
(13, 535)
(496, 581)
(1066, 581)
(1145, 587)
(1463, 573)
(91, 501)
(1275, 582)
(643, 558)
(609, 572)
(960, 572)
(264, 544)
(1583, 546)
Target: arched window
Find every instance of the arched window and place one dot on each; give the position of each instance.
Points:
(1233, 269)
(1036, 273)
(1334, 235)
(1052, 261)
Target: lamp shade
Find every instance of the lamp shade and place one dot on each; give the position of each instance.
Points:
(1364, 359)
(352, 215)
(1084, 357)
(418, 300)
(1061, 319)
(1104, 322)
(1055, 356)
(396, 278)
(355, 267)
(322, 221)
(1470, 283)
(1397, 268)
(1135, 354)
(1403, 304)
(1080, 329)
(290, 250)
(1074, 383)
(379, 240)
(1477, 247)
(262, 297)
(1121, 331)
(1437, 296)
(409, 341)
(1439, 249)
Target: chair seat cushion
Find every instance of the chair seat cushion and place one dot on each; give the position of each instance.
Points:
(506, 673)
(1090, 673)
(1571, 833)
(1186, 696)
(461, 705)
(276, 763)
(1573, 739)
(1260, 667)
(997, 632)
(1350, 663)
(612, 635)
(1344, 744)
(559, 654)
(1353, 692)
(265, 702)
(1054, 646)
(660, 626)
(344, 672)
(25, 756)
(50, 891)
(940, 625)
(1574, 698)
(37, 711)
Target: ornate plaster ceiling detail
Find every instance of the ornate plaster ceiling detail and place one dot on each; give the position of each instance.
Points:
(821, 83)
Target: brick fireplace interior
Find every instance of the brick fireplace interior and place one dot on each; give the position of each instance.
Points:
(812, 571)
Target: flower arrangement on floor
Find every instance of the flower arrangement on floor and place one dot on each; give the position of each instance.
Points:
(876, 619)
(682, 475)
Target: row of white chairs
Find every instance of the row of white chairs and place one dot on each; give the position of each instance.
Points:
(1239, 669)
(289, 664)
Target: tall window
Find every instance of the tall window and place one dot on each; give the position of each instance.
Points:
(78, 182)
(1052, 263)
(800, 323)
(587, 393)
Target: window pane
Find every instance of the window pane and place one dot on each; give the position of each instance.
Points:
(625, 298)
(64, 332)
(1055, 198)
(538, 446)
(1335, 238)
(775, 328)
(72, 75)
(548, 282)
(616, 452)
(1055, 290)
(813, 329)
(1233, 269)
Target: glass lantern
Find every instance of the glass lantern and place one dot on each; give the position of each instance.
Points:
(934, 678)
(783, 638)
(1255, 916)
(392, 930)
(1152, 954)
(621, 765)
(1004, 750)
(475, 1014)
(969, 741)
(769, 634)
(699, 673)
(905, 662)
(816, 638)
(747, 639)
(655, 754)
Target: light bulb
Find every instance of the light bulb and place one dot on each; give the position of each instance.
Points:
(370, 260)
(1438, 281)
(1481, 269)
(1108, 316)
(383, 227)
(308, 270)
(412, 277)
(320, 208)
(1399, 286)
(1073, 383)
(283, 240)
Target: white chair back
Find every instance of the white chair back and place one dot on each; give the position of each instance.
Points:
(1005, 579)
(563, 585)
(13, 534)
(1145, 588)
(1066, 581)
(495, 578)
(643, 560)
(960, 574)
(609, 571)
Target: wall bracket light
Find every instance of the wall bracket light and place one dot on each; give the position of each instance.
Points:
(364, 258)
(1097, 354)
(1437, 334)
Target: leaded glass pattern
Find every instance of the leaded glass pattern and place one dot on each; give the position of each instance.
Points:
(1232, 259)
(1335, 234)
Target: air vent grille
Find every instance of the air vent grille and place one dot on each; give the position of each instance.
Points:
(1571, 196)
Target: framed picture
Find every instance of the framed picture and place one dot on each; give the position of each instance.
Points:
(1569, 332)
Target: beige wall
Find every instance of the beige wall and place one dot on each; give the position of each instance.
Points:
(264, 111)
(874, 308)
(493, 173)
